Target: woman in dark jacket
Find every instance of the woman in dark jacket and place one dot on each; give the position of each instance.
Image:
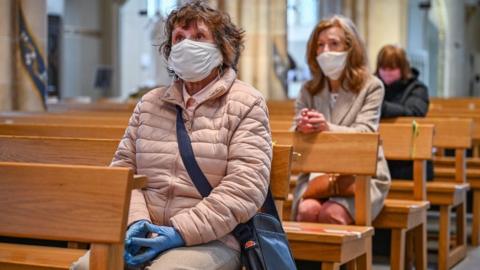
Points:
(405, 95)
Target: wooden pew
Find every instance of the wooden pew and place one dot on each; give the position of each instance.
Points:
(62, 119)
(100, 152)
(281, 125)
(332, 244)
(58, 202)
(455, 103)
(455, 134)
(402, 142)
(57, 150)
(280, 174)
(463, 113)
(281, 109)
(97, 106)
(463, 108)
(54, 130)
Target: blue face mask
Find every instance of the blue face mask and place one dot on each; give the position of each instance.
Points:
(193, 61)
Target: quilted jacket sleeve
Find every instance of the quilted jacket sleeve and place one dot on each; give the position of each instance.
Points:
(125, 156)
(243, 189)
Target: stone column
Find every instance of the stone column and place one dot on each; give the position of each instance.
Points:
(265, 27)
(27, 96)
(454, 79)
(387, 24)
(6, 41)
(17, 89)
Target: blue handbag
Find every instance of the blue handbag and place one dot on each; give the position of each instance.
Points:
(264, 245)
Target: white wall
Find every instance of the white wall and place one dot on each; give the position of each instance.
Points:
(141, 63)
(80, 51)
(56, 7)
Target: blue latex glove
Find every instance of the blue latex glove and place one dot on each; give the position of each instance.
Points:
(137, 229)
(168, 238)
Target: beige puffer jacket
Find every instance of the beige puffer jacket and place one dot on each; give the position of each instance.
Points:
(231, 140)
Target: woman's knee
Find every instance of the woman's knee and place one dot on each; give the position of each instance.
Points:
(213, 255)
(308, 210)
(334, 213)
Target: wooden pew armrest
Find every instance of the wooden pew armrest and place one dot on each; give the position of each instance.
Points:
(139, 181)
(41, 256)
(326, 233)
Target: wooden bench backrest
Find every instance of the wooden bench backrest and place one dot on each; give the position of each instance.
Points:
(460, 103)
(280, 174)
(403, 142)
(61, 119)
(449, 132)
(410, 142)
(329, 152)
(101, 107)
(284, 108)
(64, 202)
(281, 125)
(99, 152)
(472, 114)
(343, 153)
(96, 152)
(72, 131)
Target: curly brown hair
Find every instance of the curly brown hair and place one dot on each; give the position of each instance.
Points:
(356, 69)
(228, 37)
(391, 56)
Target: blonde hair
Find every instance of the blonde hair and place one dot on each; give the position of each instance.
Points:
(356, 69)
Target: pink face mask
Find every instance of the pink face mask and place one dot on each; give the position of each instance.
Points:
(390, 76)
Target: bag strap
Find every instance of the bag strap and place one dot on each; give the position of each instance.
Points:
(196, 174)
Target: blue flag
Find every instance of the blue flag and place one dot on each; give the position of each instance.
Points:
(31, 57)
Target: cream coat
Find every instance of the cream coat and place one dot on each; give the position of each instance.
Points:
(231, 140)
(351, 113)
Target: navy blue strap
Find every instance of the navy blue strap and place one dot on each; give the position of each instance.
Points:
(196, 174)
(188, 158)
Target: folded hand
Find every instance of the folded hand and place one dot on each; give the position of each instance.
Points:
(168, 238)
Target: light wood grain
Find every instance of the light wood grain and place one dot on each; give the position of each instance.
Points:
(280, 172)
(63, 119)
(344, 153)
(449, 132)
(53, 130)
(68, 203)
(400, 142)
(98, 152)
(41, 256)
(58, 202)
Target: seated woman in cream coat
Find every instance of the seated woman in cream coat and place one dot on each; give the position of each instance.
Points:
(342, 96)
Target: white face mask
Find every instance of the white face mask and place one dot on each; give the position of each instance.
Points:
(193, 61)
(332, 63)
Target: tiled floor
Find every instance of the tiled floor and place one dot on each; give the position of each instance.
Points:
(471, 262)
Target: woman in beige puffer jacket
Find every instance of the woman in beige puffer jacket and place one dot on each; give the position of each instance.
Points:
(227, 122)
(232, 144)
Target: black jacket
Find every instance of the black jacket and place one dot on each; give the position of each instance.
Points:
(405, 98)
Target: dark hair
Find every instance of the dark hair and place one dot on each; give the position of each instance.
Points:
(356, 69)
(228, 37)
(391, 56)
